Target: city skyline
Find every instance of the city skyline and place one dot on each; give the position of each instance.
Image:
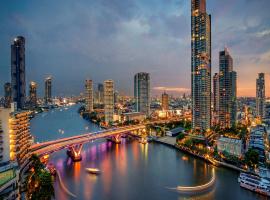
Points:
(154, 40)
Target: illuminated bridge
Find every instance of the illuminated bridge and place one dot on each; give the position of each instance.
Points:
(74, 144)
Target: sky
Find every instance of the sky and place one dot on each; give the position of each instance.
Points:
(73, 40)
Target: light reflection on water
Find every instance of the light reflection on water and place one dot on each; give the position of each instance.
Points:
(130, 171)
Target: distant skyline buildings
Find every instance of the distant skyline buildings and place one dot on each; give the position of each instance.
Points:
(200, 66)
(142, 92)
(89, 98)
(7, 95)
(33, 94)
(260, 96)
(48, 90)
(18, 71)
(165, 101)
(108, 101)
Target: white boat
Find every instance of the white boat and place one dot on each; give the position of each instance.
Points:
(93, 170)
(254, 183)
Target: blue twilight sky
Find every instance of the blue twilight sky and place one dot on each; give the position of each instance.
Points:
(113, 39)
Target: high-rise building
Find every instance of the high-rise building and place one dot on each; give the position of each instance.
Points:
(227, 90)
(48, 90)
(8, 94)
(142, 92)
(89, 96)
(260, 96)
(165, 101)
(200, 65)
(100, 95)
(108, 101)
(18, 71)
(33, 94)
(116, 96)
(216, 92)
(9, 178)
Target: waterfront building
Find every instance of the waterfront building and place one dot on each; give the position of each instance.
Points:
(100, 95)
(48, 90)
(89, 96)
(8, 173)
(227, 91)
(230, 145)
(8, 94)
(200, 66)
(142, 92)
(165, 101)
(18, 71)
(260, 96)
(108, 101)
(133, 116)
(33, 94)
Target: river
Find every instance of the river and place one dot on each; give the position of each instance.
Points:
(130, 170)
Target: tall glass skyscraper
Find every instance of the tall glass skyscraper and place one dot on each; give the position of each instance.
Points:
(33, 94)
(227, 90)
(260, 96)
(142, 92)
(200, 66)
(89, 104)
(18, 71)
(48, 90)
(109, 101)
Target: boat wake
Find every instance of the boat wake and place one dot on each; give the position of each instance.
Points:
(63, 186)
(197, 188)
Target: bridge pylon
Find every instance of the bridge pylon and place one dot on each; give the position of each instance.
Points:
(74, 152)
(116, 139)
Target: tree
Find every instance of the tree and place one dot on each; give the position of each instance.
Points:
(39, 182)
(252, 158)
(180, 136)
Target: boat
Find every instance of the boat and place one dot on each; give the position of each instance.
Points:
(93, 170)
(254, 183)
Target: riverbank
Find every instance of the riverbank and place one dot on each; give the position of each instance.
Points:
(169, 141)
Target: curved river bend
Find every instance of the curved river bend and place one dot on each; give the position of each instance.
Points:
(130, 170)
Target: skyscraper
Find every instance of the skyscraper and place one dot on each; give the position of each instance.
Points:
(48, 90)
(8, 94)
(260, 96)
(33, 94)
(18, 71)
(89, 96)
(142, 92)
(100, 93)
(165, 101)
(227, 90)
(216, 92)
(200, 65)
(108, 100)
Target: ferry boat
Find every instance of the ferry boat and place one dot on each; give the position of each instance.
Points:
(93, 170)
(254, 183)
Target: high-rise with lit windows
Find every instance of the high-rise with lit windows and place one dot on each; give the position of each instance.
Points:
(18, 71)
(227, 90)
(200, 66)
(142, 92)
(260, 96)
(33, 94)
(88, 96)
(48, 90)
(108, 101)
(8, 94)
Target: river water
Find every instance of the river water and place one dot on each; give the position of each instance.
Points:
(130, 170)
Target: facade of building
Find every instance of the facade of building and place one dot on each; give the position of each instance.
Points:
(8, 95)
(18, 71)
(48, 90)
(216, 93)
(260, 96)
(142, 92)
(89, 96)
(231, 146)
(133, 116)
(108, 101)
(33, 94)
(200, 66)
(100, 95)
(165, 101)
(227, 91)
